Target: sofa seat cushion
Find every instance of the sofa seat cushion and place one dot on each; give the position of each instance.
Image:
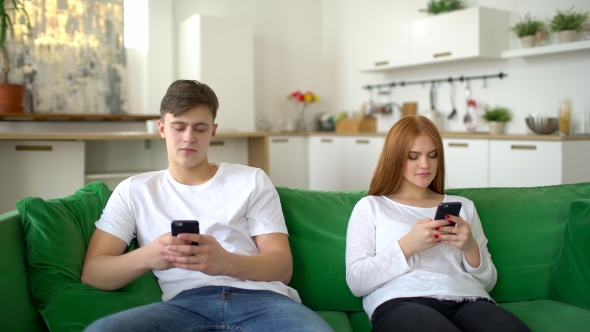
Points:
(57, 232)
(550, 316)
(360, 322)
(338, 320)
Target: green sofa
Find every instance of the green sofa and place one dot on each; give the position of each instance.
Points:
(539, 239)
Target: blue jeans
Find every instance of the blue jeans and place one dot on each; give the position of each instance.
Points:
(217, 308)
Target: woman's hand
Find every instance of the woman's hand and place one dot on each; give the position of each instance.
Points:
(460, 236)
(424, 235)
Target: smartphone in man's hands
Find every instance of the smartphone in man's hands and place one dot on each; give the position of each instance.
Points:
(444, 208)
(185, 226)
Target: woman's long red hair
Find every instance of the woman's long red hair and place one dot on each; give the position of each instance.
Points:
(392, 163)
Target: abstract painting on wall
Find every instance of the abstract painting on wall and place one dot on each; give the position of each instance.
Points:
(73, 59)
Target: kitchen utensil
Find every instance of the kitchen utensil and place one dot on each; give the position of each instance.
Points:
(467, 116)
(432, 114)
(454, 111)
(542, 125)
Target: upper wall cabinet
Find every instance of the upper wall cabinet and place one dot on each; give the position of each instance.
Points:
(476, 32)
(220, 52)
(386, 47)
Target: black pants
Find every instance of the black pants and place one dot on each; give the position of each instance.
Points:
(424, 314)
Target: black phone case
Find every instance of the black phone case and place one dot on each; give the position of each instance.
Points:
(185, 226)
(452, 208)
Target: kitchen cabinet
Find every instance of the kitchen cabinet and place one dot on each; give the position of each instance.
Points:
(476, 32)
(361, 155)
(45, 169)
(326, 162)
(289, 161)
(220, 52)
(384, 48)
(515, 163)
(466, 163)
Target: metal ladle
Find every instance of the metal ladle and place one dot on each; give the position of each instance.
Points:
(454, 111)
(467, 116)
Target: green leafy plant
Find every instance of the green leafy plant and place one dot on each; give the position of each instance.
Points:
(527, 26)
(568, 20)
(498, 114)
(440, 6)
(6, 26)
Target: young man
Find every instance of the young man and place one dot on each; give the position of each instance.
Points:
(235, 278)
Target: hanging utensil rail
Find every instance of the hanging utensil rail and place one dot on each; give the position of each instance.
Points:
(501, 75)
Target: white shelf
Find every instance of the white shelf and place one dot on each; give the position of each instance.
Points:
(549, 49)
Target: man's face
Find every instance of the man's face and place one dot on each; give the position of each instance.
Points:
(188, 136)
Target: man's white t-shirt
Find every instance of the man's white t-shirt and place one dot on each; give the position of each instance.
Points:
(238, 203)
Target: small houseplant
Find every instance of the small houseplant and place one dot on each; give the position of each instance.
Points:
(11, 95)
(567, 23)
(496, 118)
(440, 6)
(526, 29)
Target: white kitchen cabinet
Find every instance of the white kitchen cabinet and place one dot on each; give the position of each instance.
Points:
(361, 155)
(288, 161)
(468, 33)
(326, 162)
(466, 163)
(525, 163)
(46, 169)
(220, 52)
(383, 48)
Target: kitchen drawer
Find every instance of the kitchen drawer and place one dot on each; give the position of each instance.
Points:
(525, 163)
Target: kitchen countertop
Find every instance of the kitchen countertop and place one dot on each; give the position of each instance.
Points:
(88, 136)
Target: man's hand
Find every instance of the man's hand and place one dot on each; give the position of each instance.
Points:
(208, 257)
(155, 254)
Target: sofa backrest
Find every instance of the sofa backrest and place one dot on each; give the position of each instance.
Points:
(524, 226)
(525, 229)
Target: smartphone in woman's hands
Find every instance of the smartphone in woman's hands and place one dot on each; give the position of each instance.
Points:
(444, 208)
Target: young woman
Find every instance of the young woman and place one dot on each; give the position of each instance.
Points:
(415, 273)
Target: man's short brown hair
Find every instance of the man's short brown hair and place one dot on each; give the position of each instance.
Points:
(183, 95)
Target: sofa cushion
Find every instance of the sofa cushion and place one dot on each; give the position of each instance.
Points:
(570, 280)
(338, 320)
(550, 316)
(57, 232)
(317, 223)
(525, 228)
(360, 322)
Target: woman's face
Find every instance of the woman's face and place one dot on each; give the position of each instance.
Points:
(422, 163)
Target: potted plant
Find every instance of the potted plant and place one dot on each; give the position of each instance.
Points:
(440, 6)
(11, 95)
(496, 118)
(526, 29)
(567, 23)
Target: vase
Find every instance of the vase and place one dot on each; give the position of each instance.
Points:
(496, 127)
(567, 36)
(300, 120)
(528, 41)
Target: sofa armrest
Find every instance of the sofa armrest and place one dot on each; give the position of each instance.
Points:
(571, 274)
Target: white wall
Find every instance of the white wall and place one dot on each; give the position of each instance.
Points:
(534, 84)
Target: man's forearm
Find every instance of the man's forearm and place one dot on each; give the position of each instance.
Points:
(269, 266)
(113, 272)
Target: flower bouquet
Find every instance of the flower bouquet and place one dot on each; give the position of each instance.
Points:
(302, 100)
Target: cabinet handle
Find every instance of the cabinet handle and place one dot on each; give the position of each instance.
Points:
(218, 143)
(459, 145)
(362, 141)
(381, 63)
(33, 148)
(523, 147)
(280, 140)
(443, 54)
(326, 140)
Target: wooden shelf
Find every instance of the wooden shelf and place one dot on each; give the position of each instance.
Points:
(549, 49)
(75, 117)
